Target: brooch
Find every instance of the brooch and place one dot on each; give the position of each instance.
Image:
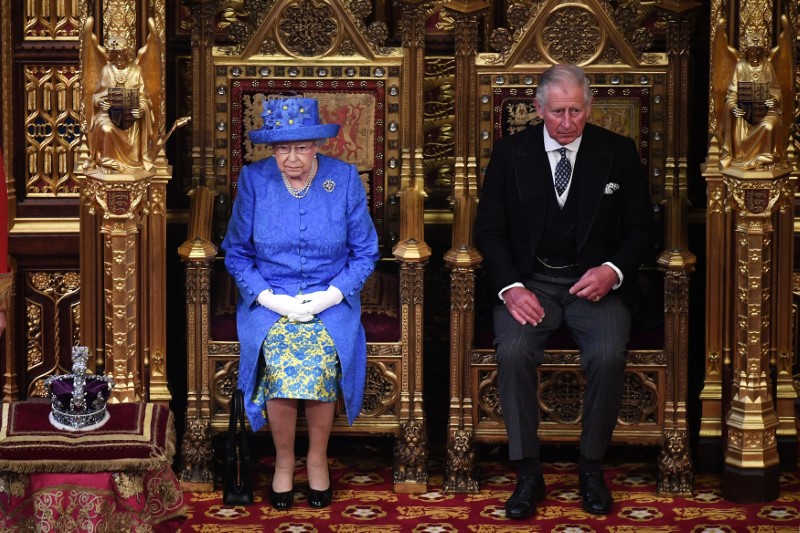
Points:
(611, 188)
(328, 185)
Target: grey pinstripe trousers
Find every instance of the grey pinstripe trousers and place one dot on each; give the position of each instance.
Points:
(601, 331)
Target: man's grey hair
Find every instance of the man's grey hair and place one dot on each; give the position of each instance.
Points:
(563, 74)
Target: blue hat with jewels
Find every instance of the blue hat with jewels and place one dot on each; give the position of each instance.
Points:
(290, 120)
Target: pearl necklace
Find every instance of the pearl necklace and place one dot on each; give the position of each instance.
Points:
(300, 193)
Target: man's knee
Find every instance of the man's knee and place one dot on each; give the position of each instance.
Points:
(608, 362)
(516, 357)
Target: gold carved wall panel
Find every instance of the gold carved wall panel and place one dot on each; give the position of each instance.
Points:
(33, 326)
(119, 18)
(439, 129)
(52, 129)
(51, 20)
(51, 325)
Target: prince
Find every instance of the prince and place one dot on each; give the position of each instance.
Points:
(563, 222)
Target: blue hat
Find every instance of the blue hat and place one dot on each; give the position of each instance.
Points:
(290, 120)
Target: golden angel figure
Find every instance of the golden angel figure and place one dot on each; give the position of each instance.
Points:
(753, 131)
(122, 99)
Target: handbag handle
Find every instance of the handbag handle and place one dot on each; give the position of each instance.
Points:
(233, 419)
(237, 436)
(242, 427)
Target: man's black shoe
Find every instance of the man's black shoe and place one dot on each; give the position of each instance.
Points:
(595, 495)
(522, 503)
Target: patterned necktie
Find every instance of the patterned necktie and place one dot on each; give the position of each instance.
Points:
(563, 171)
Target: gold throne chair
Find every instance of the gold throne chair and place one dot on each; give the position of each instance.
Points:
(364, 86)
(631, 90)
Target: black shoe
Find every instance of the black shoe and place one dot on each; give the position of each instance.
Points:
(522, 503)
(320, 498)
(282, 500)
(595, 495)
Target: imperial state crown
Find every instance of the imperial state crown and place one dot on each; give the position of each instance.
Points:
(78, 400)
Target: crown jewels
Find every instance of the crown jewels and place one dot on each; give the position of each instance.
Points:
(78, 400)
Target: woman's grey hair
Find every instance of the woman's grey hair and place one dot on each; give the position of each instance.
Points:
(563, 74)
(316, 142)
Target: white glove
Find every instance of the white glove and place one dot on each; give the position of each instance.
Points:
(283, 304)
(321, 300)
(294, 317)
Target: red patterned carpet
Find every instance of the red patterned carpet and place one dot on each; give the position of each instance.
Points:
(364, 501)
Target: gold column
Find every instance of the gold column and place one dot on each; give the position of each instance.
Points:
(202, 18)
(717, 354)
(675, 459)
(198, 253)
(463, 258)
(153, 289)
(750, 250)
(411, 251)
(119, 201)
(759, 199)
(123, 218)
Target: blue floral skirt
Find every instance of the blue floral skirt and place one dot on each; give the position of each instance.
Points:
(300, 362)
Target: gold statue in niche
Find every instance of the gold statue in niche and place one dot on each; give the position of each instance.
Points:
(750, 93)
(122, 99)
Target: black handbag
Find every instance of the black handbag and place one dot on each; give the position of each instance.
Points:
(237, 487)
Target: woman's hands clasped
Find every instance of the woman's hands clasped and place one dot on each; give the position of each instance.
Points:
(303, 307)
(283, 304)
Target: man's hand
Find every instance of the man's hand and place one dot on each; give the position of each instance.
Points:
(283, 304)
(523, 305)
(595, 283)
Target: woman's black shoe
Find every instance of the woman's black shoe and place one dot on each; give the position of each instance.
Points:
(282, 500)
(320, 498)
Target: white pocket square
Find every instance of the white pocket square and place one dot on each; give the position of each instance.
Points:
(611, 188)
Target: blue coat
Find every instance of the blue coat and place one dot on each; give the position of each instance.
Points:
(289, 245)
